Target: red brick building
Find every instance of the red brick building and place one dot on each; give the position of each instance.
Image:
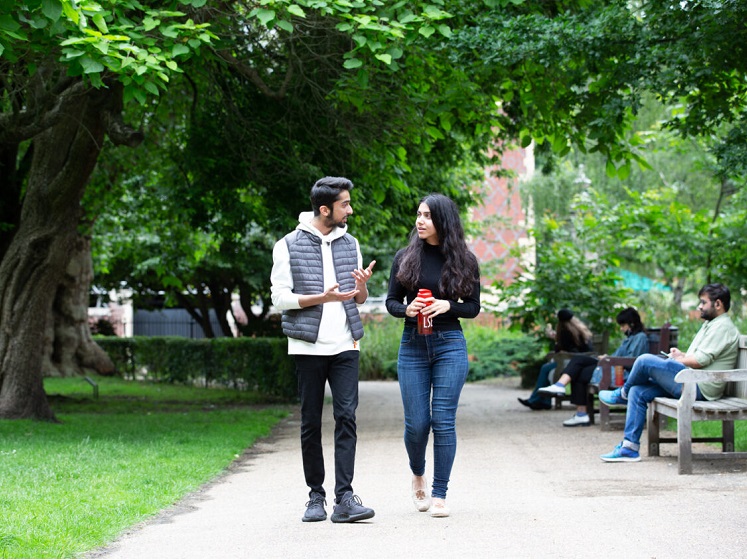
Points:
(503, 221)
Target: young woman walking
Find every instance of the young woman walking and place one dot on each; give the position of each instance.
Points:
(432, 364)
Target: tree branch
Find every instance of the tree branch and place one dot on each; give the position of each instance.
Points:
(254, 77)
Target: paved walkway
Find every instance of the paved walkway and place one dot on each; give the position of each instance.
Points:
(522, 487)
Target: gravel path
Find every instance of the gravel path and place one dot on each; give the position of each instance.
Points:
(523, 486)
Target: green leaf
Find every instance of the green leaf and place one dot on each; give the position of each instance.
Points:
(150, 87)
(52, 9)
(362, 78)
(171, 281)
(426, 31)
(149, 23)
(351, 63)
(38, 22)
(385, 58)
(91, 66)
(285, 25)
(102, 46)
(435, 133)
(445, 30)
(265, 16)
(296, 10)
(71, 13)
(525, 138)
(7, 23)
(170, 31)
(642, 163)
(100, 23)
(559, 142)
(395, 52)
(624, 171)
(178, 50)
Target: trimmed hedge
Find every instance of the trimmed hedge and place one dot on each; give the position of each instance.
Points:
(260, 364)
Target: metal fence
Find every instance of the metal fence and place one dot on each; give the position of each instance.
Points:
(171, 322)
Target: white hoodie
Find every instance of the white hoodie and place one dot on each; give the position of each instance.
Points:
(334, 331)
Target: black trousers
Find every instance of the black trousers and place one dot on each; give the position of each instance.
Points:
(580, 369)
(341, 371)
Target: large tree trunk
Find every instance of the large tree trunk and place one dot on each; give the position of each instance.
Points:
(36, 260)
(69, 347)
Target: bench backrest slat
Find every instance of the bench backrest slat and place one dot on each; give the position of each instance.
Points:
(739, 388)
(659, 338)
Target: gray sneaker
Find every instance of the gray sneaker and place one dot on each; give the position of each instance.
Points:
(315, 508)
(349, 509)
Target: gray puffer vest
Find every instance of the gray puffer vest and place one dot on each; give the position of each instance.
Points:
(305, 252)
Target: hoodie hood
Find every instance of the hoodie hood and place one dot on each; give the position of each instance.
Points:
(305, 220)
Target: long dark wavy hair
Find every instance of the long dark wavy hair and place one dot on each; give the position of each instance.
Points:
(461, 270)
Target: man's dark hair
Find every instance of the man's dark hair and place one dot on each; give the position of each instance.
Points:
(327, 190)
(717, 291)
(630, 316)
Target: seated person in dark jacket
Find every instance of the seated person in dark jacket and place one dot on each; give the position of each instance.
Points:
(571, 336)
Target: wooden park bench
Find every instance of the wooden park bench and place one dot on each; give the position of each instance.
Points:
(686, 410)
(658, 339)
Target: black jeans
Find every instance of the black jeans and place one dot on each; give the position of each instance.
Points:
(580, 368)
(313, 373)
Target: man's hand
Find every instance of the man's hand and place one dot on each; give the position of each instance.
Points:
(676, 354)
(330, 294)
(684, 358)
(334, 294)
(363, 275)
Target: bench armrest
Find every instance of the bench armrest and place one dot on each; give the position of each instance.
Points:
(701, 375)
(563, 356)
(607, 364)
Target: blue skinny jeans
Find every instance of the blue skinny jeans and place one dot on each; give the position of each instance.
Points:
(651, 376)
(432, 370)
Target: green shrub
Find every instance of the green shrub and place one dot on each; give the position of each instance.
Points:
(493, 352)
(500, 352)
(260, 364)
(380, 346)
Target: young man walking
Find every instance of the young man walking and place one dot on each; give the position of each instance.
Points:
(317, 280)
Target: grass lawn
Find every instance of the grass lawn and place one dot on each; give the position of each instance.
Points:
(713, 429)
(68, 488)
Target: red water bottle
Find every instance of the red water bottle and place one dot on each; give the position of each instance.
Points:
(619, 376)
(425, 322)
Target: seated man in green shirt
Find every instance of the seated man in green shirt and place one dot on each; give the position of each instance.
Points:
(715, 346)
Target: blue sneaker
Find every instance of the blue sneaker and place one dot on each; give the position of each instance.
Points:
(621, 455)
(612, 397)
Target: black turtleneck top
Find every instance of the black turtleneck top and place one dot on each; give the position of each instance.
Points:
(430, 275)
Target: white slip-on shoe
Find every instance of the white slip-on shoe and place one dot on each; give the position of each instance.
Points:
(577, 420)
(552, 390)
(421, 497)
(439, 508)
